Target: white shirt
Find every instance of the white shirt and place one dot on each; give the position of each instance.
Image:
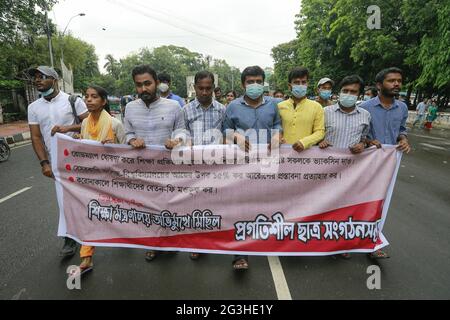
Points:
(56, 112)
(421, 108)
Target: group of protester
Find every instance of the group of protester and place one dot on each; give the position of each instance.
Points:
(426, 113)
(156, 118)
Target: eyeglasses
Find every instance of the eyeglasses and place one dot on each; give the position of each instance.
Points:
(40, 77)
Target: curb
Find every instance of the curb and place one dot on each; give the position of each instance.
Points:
(19, 138)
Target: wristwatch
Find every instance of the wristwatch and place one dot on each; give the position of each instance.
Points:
(44, 162)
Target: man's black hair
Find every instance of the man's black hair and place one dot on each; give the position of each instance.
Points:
(164, 77)
(202, 75)
(252, 71)
(372, 90)
(298, 72)
(383, 73)
(143, 68)
(353, 79)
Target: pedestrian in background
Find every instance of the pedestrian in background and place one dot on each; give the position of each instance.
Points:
(421, 111)
(230, 96)
(432, 115)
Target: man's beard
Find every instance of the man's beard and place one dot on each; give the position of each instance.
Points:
(389, 93)
(147, 97)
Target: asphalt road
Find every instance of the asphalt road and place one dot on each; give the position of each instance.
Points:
(417, 227)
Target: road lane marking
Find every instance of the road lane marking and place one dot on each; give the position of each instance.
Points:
(24, 145)
(279, 279)
(428, 137)
(432, 146)
(17, 296)
(14, 194)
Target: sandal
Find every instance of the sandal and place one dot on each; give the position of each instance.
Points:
(150, 255)
(379, 255)
(240, 264)
(194, 256)
(86, 265)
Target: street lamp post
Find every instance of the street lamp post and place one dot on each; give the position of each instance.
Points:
(49, 39)
(62, 43)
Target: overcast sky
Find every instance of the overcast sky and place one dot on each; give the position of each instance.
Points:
(240, 31)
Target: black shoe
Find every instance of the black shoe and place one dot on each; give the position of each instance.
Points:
(69, 248)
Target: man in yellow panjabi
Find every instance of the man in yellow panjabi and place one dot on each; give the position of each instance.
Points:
(302, 119)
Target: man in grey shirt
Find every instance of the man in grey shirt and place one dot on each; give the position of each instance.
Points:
(151, 120)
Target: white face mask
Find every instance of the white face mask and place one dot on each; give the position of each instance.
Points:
(347, 100)
(163, 87)
(48, 92)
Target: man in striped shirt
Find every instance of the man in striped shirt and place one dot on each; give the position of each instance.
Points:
(152, 120)
(346, 125)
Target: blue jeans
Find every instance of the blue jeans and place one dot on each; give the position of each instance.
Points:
(419, 118)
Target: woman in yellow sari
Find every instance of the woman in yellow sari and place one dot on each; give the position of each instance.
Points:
(99, 126)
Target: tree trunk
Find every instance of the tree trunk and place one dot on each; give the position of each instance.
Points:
(416, 98)
(408, 97)
(1, 114)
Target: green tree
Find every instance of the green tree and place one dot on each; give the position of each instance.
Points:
(112, 66)
(285, 58)
(333, 40)
(178, 62)
(21, 24)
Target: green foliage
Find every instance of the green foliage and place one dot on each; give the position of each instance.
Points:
(333, 40)
(178, 62)
(21, 23)
(21, 20)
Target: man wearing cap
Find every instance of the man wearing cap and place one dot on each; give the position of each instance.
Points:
(48, 115)
(324, 87)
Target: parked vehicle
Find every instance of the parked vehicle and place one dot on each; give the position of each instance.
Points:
(5, 151)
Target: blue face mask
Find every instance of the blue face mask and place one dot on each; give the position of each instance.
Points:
(254, 90)
(347, 100)
(325, 94)
(366, 97)
(299, 91)
(48, 92)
